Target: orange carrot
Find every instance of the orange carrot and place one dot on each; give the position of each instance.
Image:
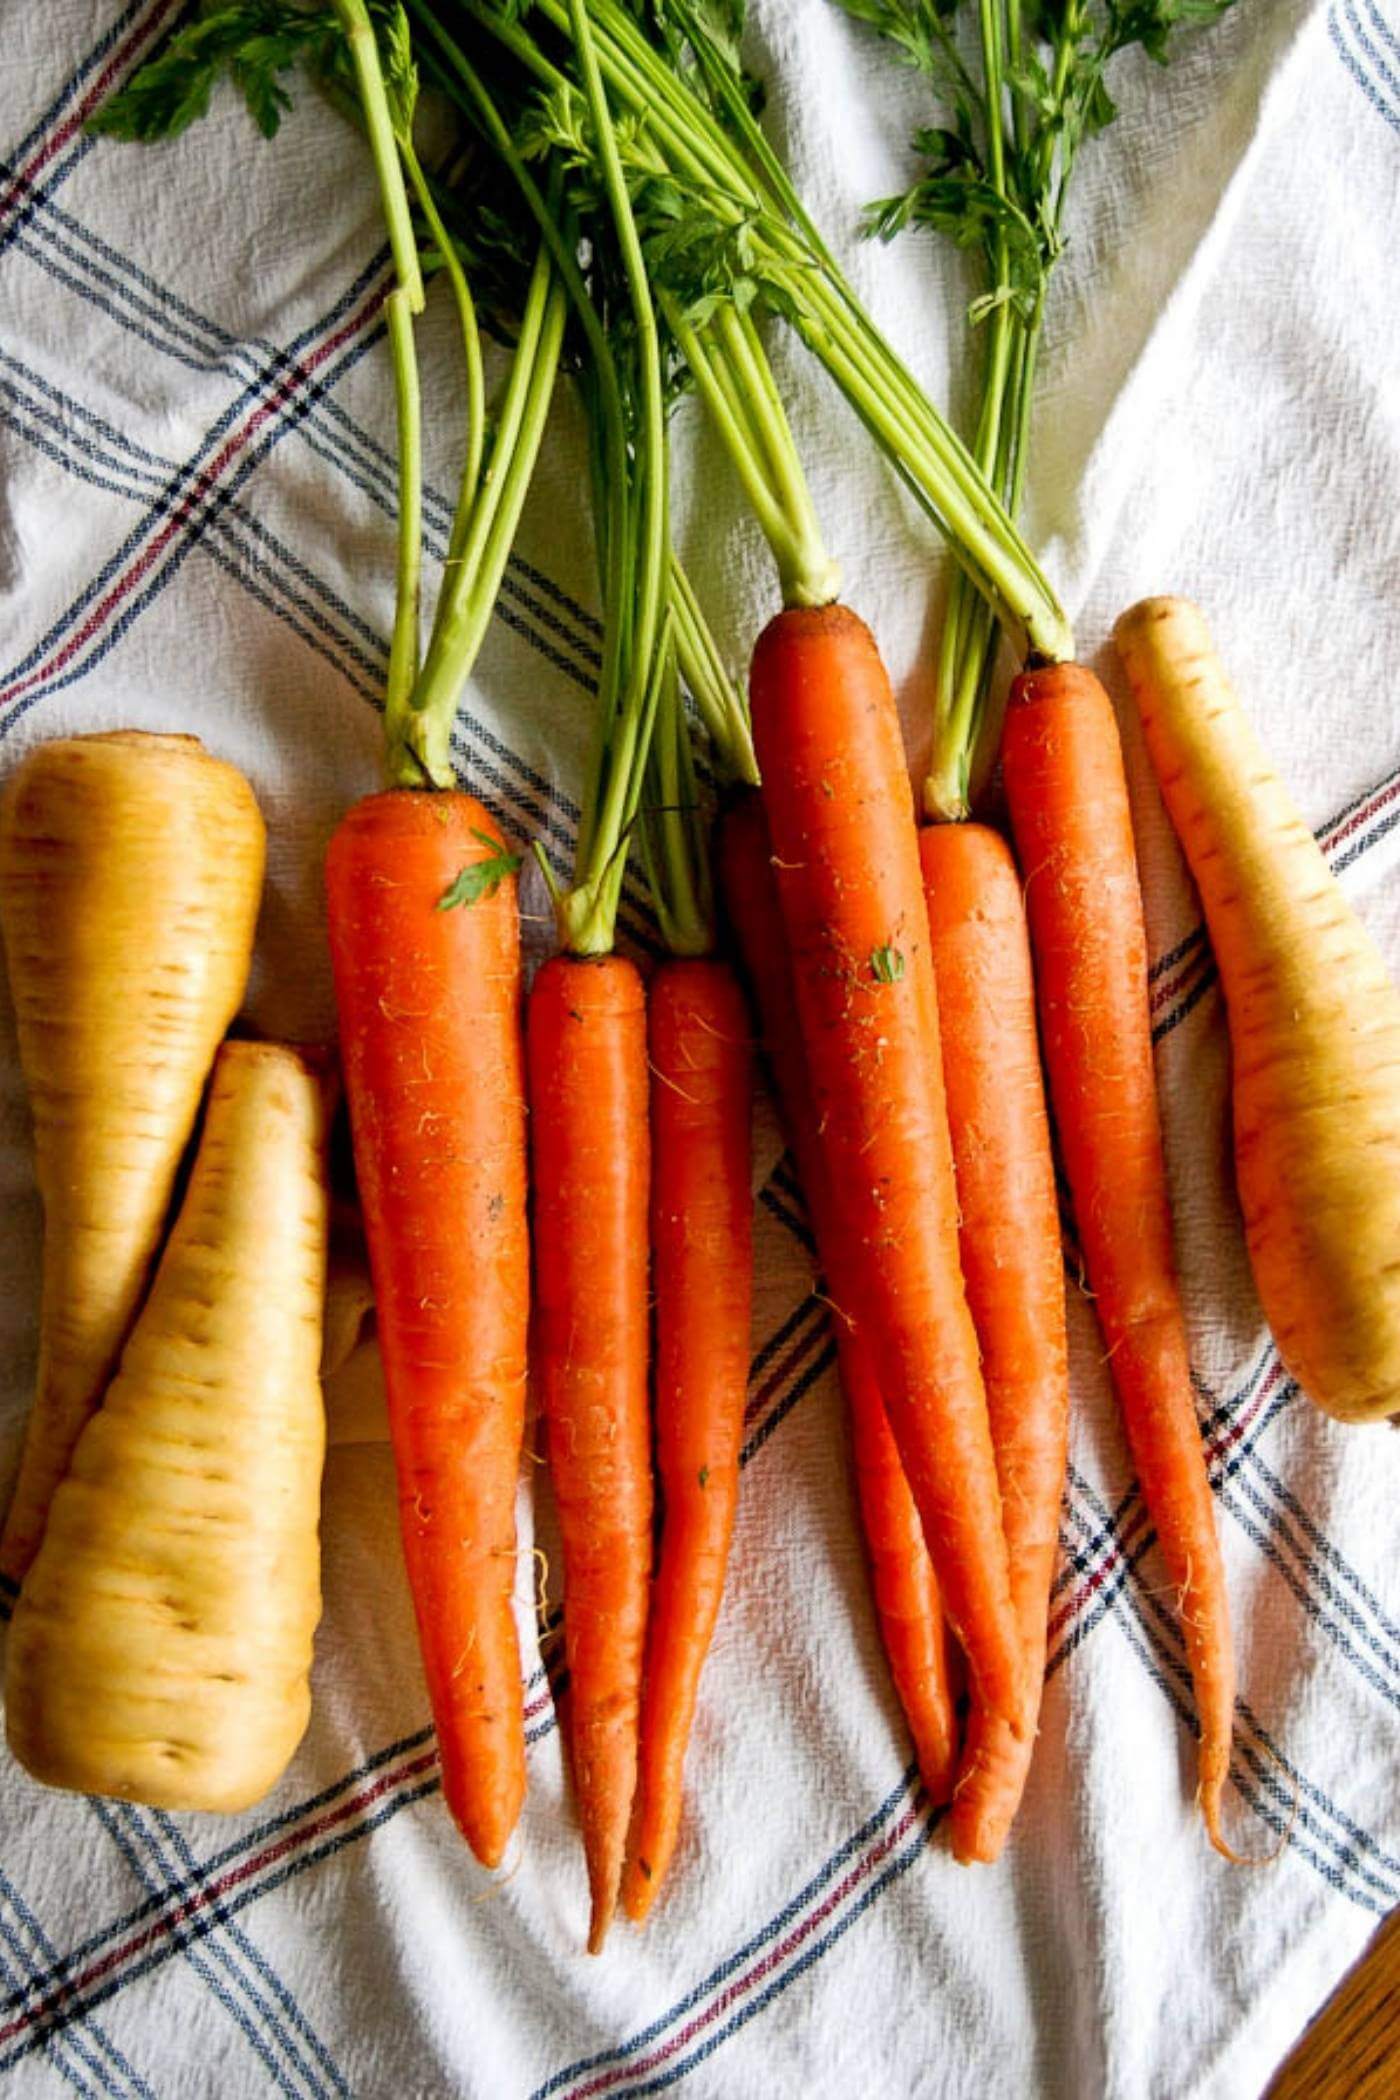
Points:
(429, 997)
(925, 1663)
(1011, 1259)
(702, 1256)
(1069, 809)
(840, 814)
(587, 1050)
(907, 1605)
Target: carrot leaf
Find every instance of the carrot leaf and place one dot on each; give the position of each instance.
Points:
(480, 878)
(253, 42)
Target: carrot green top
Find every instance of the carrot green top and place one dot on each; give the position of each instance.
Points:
(360, 52)
(1023, 85)
(725, 230)
(641, 781)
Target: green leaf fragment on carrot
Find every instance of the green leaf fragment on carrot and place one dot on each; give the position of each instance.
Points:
(482, 878)
(887, 965)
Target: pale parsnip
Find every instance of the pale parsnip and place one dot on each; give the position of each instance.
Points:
(131, 869)
(161, 1644)
(1314, 1025)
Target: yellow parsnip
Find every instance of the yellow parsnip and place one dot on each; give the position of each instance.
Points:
(130, 872)
(161, 1643)
(1314, 1025)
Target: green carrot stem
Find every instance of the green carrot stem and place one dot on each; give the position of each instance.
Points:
(968, 641)
(974, 524)
(1012, 41)
(400, 305)
(719, 701)
(673, 843)
(607, 423)
(753, 428)
(471, 587)
(587, 915)
(1020, 423)
(384, 146)
(650, 600)
(748, 361)
(588, 912)
(408, 581)
(471, 345)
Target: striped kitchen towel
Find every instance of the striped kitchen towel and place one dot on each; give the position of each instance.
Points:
(196, 498)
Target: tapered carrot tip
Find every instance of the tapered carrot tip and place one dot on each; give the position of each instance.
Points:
(988, 1792)
(603, 1912)
(638, 1890)
(486, 1827)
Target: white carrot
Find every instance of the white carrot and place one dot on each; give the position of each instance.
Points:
(161, 1643)
(1314, 1025)
(130, 872)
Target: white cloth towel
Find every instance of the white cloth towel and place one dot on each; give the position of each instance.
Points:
(195, 533)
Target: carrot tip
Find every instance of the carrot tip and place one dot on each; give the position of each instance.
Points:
(1211, 1800)
(976, 1849)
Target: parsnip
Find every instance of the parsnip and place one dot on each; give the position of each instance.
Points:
(1314, 1026)
(130, 872)
(161, 1643)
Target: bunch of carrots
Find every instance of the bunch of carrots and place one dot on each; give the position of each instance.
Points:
(925, 994)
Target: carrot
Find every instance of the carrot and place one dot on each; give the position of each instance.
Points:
(840, 814)
(161, 1643)
(587, 1050)
(428, 991)
(1314, 1026)
(130, 872)
(1011, 1260)
(923, 1662)
(1063, 768)
(702, 1254)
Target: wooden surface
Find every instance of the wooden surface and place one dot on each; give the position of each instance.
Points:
(1352, 2049)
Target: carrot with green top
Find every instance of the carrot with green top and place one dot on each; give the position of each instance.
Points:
(587, 1055)
(1063, 768)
